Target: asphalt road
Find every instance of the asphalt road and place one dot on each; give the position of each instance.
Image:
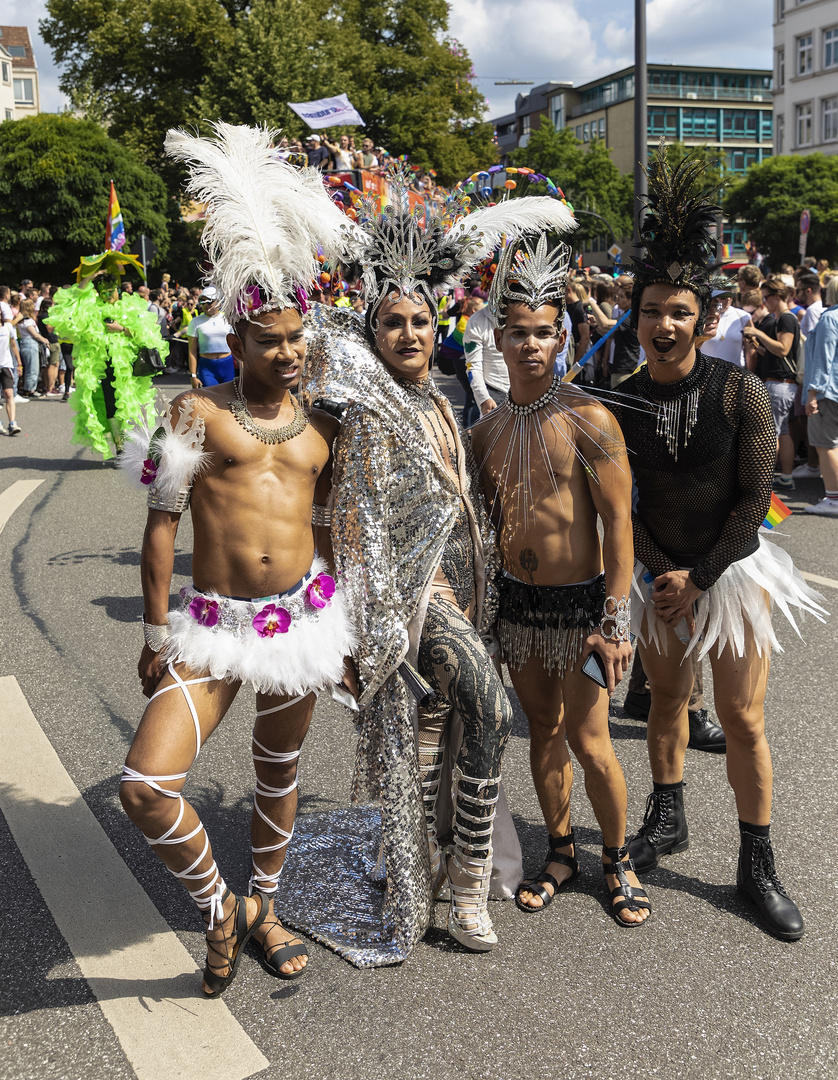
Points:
(700, 991)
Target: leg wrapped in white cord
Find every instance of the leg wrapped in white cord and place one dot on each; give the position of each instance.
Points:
(261, 879)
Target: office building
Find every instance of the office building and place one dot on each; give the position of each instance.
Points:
(805, 76)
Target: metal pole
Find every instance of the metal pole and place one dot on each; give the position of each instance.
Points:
(641, 153)
(142, 256)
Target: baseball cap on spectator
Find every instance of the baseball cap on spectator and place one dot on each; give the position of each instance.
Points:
(209, 293)
(314, 138)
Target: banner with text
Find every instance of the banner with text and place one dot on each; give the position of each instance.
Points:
(327, 112)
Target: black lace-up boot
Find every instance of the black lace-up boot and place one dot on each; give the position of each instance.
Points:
(664, 828)
(757, 879)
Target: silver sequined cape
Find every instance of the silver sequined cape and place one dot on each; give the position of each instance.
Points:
(393, 508)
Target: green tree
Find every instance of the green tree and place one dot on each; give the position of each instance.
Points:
(145, 68)
(769, 199)
(55, 174)
(137, 66)
(588, 177)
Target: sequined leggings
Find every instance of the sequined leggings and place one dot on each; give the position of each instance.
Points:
(454, 661)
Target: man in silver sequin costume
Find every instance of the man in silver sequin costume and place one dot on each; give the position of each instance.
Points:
(552, 460)
(414, 548)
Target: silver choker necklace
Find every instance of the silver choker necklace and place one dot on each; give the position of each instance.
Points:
(271, 436)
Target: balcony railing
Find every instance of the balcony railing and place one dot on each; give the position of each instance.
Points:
(682, 93)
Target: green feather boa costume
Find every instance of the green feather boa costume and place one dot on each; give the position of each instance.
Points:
(78, 316)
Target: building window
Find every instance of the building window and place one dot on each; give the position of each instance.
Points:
(830, 47)
(700, 123)
(7, 78)
(741, 160)
(601, 128)
(781, 133)
(663, 121)
(804, 54)
(781, 68)
(781, 10)
(586, 133)
(740, 124)
(525, 125)
(803, 116)
(9, 114)
(579, 132)
(24, 94)
(829, 112)
(18, 51)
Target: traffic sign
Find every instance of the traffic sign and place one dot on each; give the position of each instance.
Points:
(614, 251)
(805, 222)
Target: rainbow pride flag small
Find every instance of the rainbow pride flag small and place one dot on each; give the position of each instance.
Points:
(114, 226)
(777, 512)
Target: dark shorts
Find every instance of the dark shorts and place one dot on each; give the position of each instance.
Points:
(550, 620)
(7, 378)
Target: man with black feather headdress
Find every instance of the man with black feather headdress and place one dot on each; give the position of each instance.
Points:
(703, 459)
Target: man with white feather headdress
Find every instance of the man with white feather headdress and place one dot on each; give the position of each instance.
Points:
(248, 462)
(414, 547)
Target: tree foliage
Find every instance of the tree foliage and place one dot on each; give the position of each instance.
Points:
(55, 174)
(588, 177)
(145, 68)
(772, 195)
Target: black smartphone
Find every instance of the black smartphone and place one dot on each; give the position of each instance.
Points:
(594, 668)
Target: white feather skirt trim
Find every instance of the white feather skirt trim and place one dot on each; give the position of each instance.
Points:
(308, 657)
(737, 598)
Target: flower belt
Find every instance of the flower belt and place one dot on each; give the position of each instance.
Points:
(267, 616)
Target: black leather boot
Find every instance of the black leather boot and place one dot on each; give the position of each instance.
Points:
(705, 734)
(757, 879)
(664, 829)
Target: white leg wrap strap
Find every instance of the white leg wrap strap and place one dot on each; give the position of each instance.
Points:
(259, 878)
(198, 895)
(182, 684)
(284, 705)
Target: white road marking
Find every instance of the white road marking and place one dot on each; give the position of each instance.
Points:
(144, 979)
(816, 579)
(13, 496)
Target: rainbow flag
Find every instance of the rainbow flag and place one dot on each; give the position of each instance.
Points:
(115, 226)
(777, 512)
(725, 251)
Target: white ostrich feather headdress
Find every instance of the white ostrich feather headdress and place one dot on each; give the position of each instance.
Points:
(531, 277)
(396, 252)
(266, 220)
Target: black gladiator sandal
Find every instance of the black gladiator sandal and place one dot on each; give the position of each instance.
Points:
(535, 885)
(627, 896)
(664, 829)
(757, 879)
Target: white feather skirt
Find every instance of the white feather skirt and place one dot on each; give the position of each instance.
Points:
(308, 657)
(745, 593)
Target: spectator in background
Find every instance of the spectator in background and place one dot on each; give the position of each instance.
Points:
(808, 295)
(10, 364)
(776, 364)
(318, 156)
(820, 386)
(625, 347)
(365, 158)
(486, 371)
(577, 297)
(341, 152)
(128, 288)
(50, 367)
(43, 294)
(30, 341)
(727, 343)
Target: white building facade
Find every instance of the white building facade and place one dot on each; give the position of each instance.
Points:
(19, 90)
(805, 76)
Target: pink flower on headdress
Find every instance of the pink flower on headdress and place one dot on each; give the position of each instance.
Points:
(302, 299)
(149, 474)
(204, 611)
(249, 300)
(271, 620)
(321, 591)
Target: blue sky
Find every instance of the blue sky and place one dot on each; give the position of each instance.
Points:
(568, 40)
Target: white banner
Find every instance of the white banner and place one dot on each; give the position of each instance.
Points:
(327, 112)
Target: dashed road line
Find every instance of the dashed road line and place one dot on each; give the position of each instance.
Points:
(13, 496)
(816, 579)
(145, 981)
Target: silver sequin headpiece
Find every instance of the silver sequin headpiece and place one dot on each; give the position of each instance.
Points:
(402, 250)
(531, 277)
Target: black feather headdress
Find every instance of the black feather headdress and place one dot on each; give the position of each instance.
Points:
(678, 231)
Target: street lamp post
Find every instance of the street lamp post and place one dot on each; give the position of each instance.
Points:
(641, 152)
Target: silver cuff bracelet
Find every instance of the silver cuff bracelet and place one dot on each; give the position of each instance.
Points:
(155, 635)
(619, 619)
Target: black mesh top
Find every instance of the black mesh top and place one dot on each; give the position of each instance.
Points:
(703, 511)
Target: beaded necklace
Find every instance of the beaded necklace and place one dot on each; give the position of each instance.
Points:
(271, 436)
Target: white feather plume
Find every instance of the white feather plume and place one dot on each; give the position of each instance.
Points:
(178, 451)
(511, 218)
(265, 218)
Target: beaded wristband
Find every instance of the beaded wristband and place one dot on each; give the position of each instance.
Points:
(619, 618)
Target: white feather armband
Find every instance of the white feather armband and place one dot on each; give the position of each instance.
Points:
(164, 459)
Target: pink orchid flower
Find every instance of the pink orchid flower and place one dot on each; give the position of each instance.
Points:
(271, 620)
(204, 611)
(321, 591)
(149, 473)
